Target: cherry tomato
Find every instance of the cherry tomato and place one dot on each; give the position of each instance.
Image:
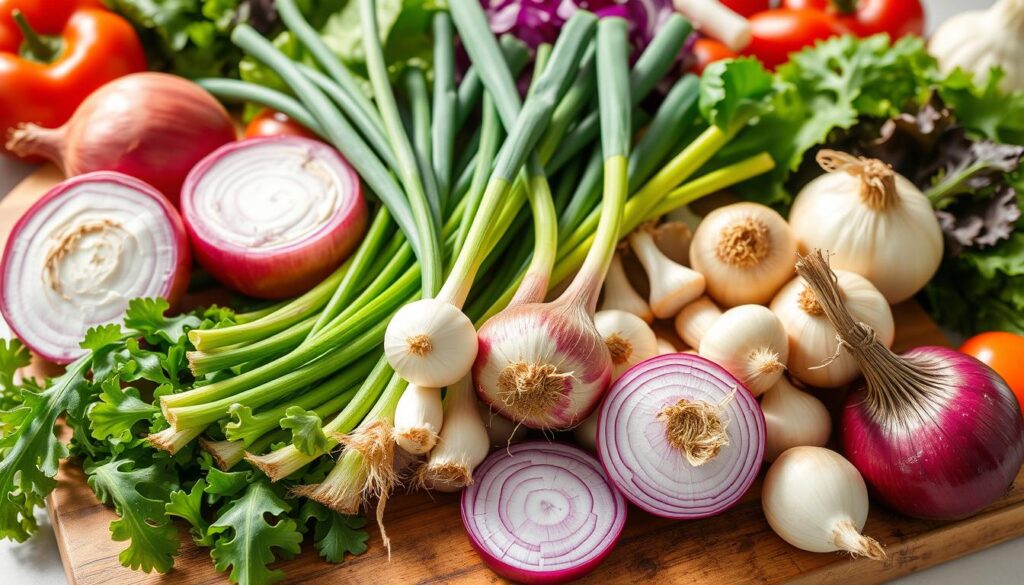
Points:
(273, 123)
(707, 51)
(898, 18)
(748, 8)
(777, 33)
(1004, 353)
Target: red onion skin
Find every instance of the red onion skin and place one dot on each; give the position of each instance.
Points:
(520, 575)
(284, 271)
(562, 321)
(953, 465)
(152, 126)
(174, 289)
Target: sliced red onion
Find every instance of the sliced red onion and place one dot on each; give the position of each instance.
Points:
(271, 217)
(634, 445)
(542, 512)
(84, 250)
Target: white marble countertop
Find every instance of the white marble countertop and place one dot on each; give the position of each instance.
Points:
(37, 562)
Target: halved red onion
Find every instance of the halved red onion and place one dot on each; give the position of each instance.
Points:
(542, 512)
(271, 217)
(77, 256)
(680, 437)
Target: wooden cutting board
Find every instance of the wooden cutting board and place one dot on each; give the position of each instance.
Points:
(430, 546)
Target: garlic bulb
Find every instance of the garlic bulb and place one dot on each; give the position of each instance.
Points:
(418, 418)
(817, 501)
(629, 339)
(750, 343)
(746, 252)
(666, 347)
(673, 239)
(673, 285)
(872, 221)
(695, 319)
(463, 443)
(619, 294)
(792, 418)
(979, 40)
(815, 356)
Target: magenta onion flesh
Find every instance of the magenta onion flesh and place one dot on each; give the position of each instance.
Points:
(542, 512)
(151, 126)
(77, 256)
(680, 437)
(271, 217)
(935, 433)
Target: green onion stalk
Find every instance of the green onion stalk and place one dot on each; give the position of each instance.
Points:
(432, 343)
(545, 365)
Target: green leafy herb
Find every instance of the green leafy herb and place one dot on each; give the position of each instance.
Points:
(153, 539)
(307, 433)
(189, 506)
(117, 412)
(246, 541)
(335, 535)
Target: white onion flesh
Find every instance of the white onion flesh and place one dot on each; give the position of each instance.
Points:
(81, 253)
(635, 450)
(542, 512)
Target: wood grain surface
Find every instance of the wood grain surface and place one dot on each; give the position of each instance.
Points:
(430, 546)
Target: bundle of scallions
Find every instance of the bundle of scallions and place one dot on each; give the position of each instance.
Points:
(472, 180)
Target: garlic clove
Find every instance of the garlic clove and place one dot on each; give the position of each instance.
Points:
(793, 418)
(750, 342)
(665, 347)
(695, 319)
(673, 239)
(418, 419)
(673, 286)
(619, 294)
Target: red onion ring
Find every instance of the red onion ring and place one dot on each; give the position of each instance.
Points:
(77, 256)
(542, 513)
(634, 447)
(271, 217)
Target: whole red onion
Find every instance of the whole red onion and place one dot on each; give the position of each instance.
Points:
(151, 126)
(935, 433)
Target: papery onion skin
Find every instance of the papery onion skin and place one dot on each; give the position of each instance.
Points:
(965, 455)
(172, 289)
(283, 270)
(559, 334)
(747, 436)
(152, 126)
(503, 457)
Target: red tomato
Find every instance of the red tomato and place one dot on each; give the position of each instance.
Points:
(273, 123)
(748, 8)
(707, 51)
(898, 18)
(1004, 353)
(777, 33)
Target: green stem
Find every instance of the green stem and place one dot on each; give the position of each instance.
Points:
(243, 91)
(426, 228)
(445, 101)
(423, 148)
(37, 47)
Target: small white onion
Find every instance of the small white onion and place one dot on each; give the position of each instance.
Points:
(815, 356)
(418, 419)
(430, 343)
(871, 221)
(629, 340)
(695, 319)
(817, 501)
(750, 343)
(746, 252)
(792, 418)
(462, 445)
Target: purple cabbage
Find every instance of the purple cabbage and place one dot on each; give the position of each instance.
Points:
(539, 21)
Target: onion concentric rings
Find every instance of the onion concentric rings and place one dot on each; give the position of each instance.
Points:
(77, 256)
(542, 512)
(271, 217)
(633, 445)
